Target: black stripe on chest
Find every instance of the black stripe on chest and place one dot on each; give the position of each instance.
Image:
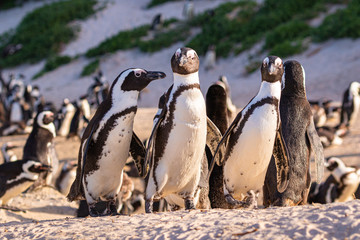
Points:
(96, 148)
(236, 134)
(164, 130)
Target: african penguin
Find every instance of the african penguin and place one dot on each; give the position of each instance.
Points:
(176, 147)
(68, 111)
(340, 186)
(16, 177)
(249, 141)
(40, 146)
(66, 177)
(105, 143)
(217, 111)
(351, 103)
(300, 136)
(8, 154)
(231, 108)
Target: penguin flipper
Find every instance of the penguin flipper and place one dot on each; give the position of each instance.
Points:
(213, 138)
(281, 156)
(137, 152)
(220, 146)
(317, 148)
(159, 118)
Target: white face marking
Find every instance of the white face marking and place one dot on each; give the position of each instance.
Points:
(191, 53)
(26, 173)
(278, 62)
(178, 52)
(138, 72)
(266, 61)
(50, 126)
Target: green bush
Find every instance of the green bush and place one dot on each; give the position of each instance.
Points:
(44, 30)
(123, 40)
(287, 48)
(52, 64)
(90, 68)
(288, 31)
(341, 24)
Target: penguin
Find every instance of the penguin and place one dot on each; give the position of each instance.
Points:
(16, 177)
(107, 140)
(217, 112)
(252, 138)
(66, 176)
(67, 111)
(350, 104)
(332, 135)
(340, 186)
(188, 10)
(157, 22)
(231, 108)
(80, 118)
(210, 58)
(8, 154)
(175, 158)
(300, 136)
(40, 146)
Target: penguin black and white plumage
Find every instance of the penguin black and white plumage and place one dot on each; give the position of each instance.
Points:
(67, 112)
(250, 141)
(332, 135)
(81, 117)
(217, 112)
(8, 154)
(16, 177)
(157, 22)
(231, 108)
(210, 58)
(106, 141)
(176, 148)
(340, 186)
(66, 176)
(300, 136)
(40, 145)
(350, 104)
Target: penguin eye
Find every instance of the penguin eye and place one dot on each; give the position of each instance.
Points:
(137, 74)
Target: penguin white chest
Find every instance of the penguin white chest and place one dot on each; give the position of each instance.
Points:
(246, 166)
(186, 144)
(111, 161)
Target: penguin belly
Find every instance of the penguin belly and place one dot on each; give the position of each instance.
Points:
(246, 167)
(181, 162)
(106, 180)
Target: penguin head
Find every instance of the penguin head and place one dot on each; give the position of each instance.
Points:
(185, 61)
(355, 88)
(136, 79)
(272, 69)
(333, 162)
(294, 83)
(34, 167)
(45, 120)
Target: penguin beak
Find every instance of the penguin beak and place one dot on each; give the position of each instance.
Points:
(41, 168)
(155, 75)
(271, 69)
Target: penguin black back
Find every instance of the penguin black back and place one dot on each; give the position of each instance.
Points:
(296, 117)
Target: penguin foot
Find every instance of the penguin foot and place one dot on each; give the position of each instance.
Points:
(231, 200)
(174, 207)
(93, 212)
(189, 204)
(251, 200)
(149, 205)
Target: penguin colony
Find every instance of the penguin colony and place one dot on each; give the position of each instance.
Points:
(201, 153)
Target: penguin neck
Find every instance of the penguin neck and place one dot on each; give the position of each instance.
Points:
(268, 89)
(188, 79)
(124, 100)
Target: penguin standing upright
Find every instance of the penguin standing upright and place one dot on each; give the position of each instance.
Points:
(68, 111)
(217, 112)
(16, 177)
(250, 141)
(40, 145)
(106, 141)
(351, 104)
(176, 147)
(300, 136)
